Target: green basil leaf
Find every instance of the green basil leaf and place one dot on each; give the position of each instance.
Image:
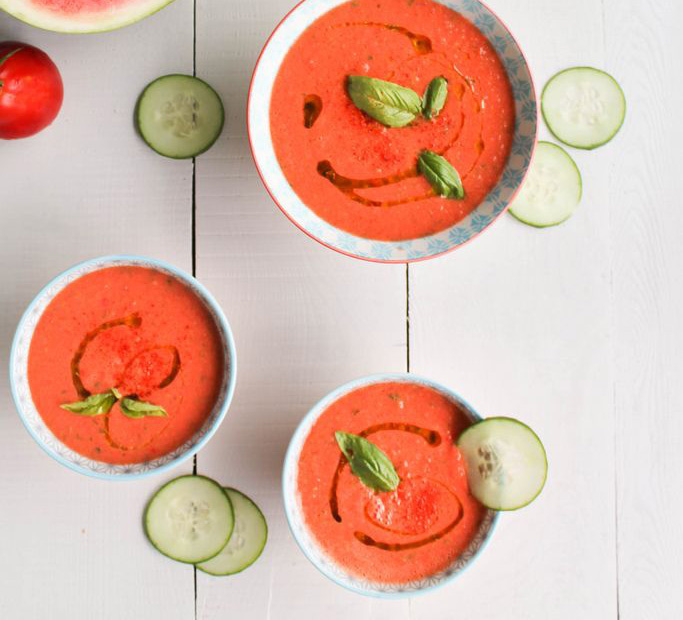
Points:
(134, 408)
(386, 102)
(95, 404)
(368, 462)
(435, 97)
(442, 176)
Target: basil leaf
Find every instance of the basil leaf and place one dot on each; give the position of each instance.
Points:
(368, 462)
(386, 102)
(442, 176)
(95, 404)
(434, 97)
(133, 408)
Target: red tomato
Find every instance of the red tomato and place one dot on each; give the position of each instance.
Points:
(31, 90)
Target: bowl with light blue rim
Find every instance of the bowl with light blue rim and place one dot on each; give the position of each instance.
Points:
(305, 539)
(31, 418)
(494, 204)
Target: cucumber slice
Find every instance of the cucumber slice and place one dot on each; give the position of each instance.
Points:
(583, 107)
(552, 189)
(189, 519)
(506, 463)
(179, 116)
(247, 541)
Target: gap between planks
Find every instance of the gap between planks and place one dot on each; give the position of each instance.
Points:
(194, 240)
(614, 378)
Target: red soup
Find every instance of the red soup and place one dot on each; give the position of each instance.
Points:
(399, 536)
(361, 175)
(136, 357)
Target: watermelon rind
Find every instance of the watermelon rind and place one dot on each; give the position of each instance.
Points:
(85, 22)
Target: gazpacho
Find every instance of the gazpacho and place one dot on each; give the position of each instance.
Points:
(383, 486)
(125, 364)
(392, 119)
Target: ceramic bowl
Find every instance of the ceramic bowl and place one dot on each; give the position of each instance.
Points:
(495, 203)
(326, 565)
(34, 422)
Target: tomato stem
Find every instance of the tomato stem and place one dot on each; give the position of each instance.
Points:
(7, 56)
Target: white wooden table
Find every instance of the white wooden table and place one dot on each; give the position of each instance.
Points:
(575, 329)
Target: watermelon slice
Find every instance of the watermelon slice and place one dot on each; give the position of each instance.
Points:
(81, 15)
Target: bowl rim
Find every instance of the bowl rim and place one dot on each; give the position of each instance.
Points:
(221, 323)
(303, 428)
(371, 259)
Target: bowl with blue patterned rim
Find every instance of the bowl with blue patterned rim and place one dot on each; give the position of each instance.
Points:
(21, 392)
(305, 539)
(490, 208)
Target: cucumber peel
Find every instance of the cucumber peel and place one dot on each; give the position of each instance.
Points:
(179, 116)
(189, 519)
(506, 463)
(552, 189)
(583, 107)
(247, 541)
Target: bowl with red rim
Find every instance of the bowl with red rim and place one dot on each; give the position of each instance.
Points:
(43, 435)
(481, 217)
(305, 539)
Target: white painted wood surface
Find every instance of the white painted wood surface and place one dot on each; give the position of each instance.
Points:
(575, 329)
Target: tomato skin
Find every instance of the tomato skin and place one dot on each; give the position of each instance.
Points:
(31, 90)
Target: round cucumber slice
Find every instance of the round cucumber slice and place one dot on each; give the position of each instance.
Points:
(189, 519)
(552, 188)
(583, 107)
(179, 116)
(247, 541)
(506, 463)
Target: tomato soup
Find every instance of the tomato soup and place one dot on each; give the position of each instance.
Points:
(136, 332)
(360, 175)
(422, 526)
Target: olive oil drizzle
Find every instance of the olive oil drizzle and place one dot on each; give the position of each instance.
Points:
(430, 436)
(371, 542)
(465, 84)
(347, 185)
(107, 434)
(114, 444)
(313, 106)
(433, 438)
(169, 378)
(422, 45)
(403, 532)
(133, 320)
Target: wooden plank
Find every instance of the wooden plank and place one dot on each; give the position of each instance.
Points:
(518, 322)
(305, 320)
(73, 546)
(644, 52)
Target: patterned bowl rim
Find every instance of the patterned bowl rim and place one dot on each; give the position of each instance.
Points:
(290, 497)
(256, 126)
(221, 323)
